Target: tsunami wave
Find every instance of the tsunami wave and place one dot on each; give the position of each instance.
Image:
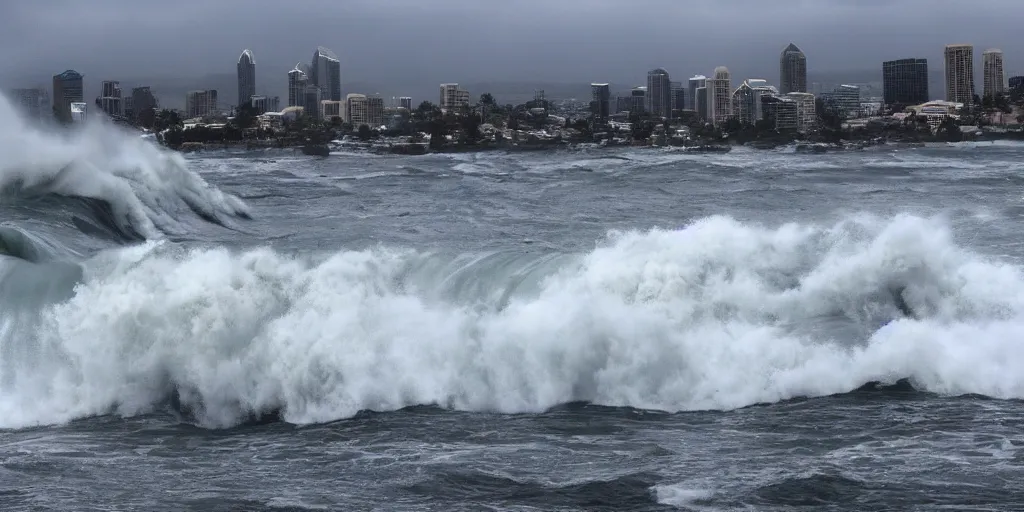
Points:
(717, 315)
(111, 182)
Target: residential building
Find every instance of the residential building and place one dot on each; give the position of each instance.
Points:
(844, 101)
(746, 100)
(960, 73)
(695, 83)
(720, 96)
(453, 97)
(1016, 82)
(326, 73)
(264, 104)
(638, 100)
(679, 94)
(78, 111)
(142, 101)
(311, 98)
(246, 77)
(600, 97)
(200, 103)
(128, 107)
(701, 97)
(356, 112)
(405, 102)
(792, 70)
(904, 83)
(67, 89)
(993, 79)
(375, 111)
(659, 93)
(110, 99)
(34, 103)
(330, 109)
(783, 111)
(298, 79)
(806, 114)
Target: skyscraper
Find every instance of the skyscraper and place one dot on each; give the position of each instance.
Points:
(110, 98)
(326, 73)
(600, 97)
(792, 70)
(67, 89)
(659, 93)
(406, 102)
(720, 96)
(298, 79)
(960, 73)
(246, 77)
(691, 99)
(994, 79)
(200, 103)
(904, 82)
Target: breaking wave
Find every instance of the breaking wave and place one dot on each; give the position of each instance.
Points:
(108, 180)
(717, 315)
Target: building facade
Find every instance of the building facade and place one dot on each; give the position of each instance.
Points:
(143, 103)
(792, 70)
(638, 100)
(405, 102)
(298, 79)
(67, 89)
(993, 78)
(453, 98)
(600, 99)
(111, 101)
(311, 98)
(806, 112)
(782, 111)
(79, 111)
(331, 109)
(702, 103)
(246, 77)
(264, 104)
(1016, 87)
(959, 60)
(375, 111)
(201, 103)
(326, 73)
(844, 101)
(720, 96)
(659, 93)
(34, 103)
(691, 98)
(904, 83)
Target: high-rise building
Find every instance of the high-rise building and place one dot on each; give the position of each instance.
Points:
(200, 103)
(298, 79)
(904, 82)
(375, 111)
(720, 96)
(994, 79)
(34, 103)
(453, 98)
(143, 103)
(246, 77)
(960, 73)
(331, 109)
(110, 98)
(695, 83)
(1016, 86)
(678, 96)
(264, 104)
(78, 111)
(843, 100)
(701, 97)
(792, 70)
(405, 102)
(600, 97)
(311, 98)
(659, 93)
(746, 100)
(782, 110)
(67, 89)
(356, 111)
(638, 100)
(806, 115)
(326, 73)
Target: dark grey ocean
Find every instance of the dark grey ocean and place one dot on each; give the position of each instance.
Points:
(578, 330)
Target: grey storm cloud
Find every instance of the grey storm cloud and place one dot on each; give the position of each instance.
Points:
(429, 41)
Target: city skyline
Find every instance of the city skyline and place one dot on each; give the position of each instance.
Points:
(379, 45)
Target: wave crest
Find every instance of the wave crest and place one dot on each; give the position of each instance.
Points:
(717, 315)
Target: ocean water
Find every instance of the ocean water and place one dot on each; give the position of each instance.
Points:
(577, 330)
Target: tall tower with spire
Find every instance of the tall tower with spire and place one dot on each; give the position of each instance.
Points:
(246, 77)
(792, 70)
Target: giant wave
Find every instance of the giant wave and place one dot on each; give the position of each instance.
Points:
(717, 315)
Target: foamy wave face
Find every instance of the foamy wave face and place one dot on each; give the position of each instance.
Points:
(148, 189)
(714, 316)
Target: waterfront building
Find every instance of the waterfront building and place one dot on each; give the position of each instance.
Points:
(246, 77)
(792, 70)
(959, 59)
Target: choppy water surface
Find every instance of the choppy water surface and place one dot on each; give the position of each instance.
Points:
(589, 330)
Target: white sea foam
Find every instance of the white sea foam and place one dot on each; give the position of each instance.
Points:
(147, 188)
(712, 316)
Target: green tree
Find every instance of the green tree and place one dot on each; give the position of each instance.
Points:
(364, 133)
(949, 130)
(487, 99)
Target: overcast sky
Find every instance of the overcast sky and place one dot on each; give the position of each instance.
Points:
(430, 41)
